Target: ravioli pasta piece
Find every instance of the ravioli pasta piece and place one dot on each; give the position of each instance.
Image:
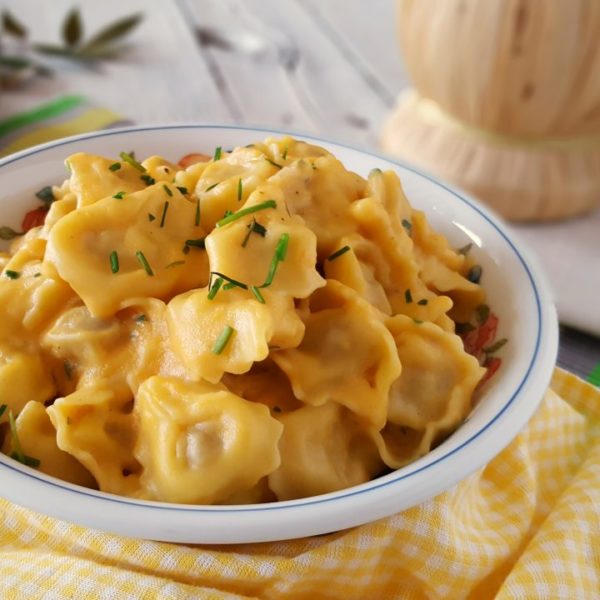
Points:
(199, 443)
(437, 380)
(95, 425)
(81, 243)
(195, 323)
(321, 191)
(92, 179)
(322, 450)
(226, 184)
(37, 438)
(23, 377)
(250, 263)
(347, 356)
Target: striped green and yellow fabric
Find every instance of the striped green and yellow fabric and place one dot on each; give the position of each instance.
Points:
(61, 117)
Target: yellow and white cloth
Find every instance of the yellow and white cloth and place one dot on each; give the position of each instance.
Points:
(525, 526)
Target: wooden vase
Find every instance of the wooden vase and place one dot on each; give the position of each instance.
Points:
(506, 101)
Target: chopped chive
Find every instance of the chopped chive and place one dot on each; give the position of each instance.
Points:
(474, 274)
(211, 187)
(147, 179)
(246, 211)
(495, 347)
(151, 217)
(114, 261)
(222, 339)
(141, 318)
(129, 159)
(229, 286)
(115, 166)
(46, 194)
(164, 213)
(226, 278)
(257, 294)
(119, 195)
(213, 289)
(217, 155)
(407, 296)
(254, 227)
(185, 249)
(3, 408)
(269, 160)
(423, 302)
(175, 263)
(282, 246)
(279, 256)
(482, 313)
(18, 450)
(338, 253)
(197, 218)
(182, 189)
(417, 321)
(239, 189)
(142, 260)
(198, 243)
(407, 225)
(227, 213)
(284, 155)
(38, 275)
(12, 274)
(465, 249)
(167, 189)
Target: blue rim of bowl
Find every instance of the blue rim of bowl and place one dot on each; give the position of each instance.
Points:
(294, 504)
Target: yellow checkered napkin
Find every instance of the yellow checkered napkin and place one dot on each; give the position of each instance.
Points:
(526, 526)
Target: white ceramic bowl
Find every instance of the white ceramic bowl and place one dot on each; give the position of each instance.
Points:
(516, 290)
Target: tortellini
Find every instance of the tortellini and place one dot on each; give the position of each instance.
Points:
(248, 326)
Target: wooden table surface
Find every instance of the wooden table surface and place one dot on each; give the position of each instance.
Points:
(326, 67)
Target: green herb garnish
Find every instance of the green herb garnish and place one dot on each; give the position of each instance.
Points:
(284, 155)
(279, 256)
(167, 190)
(269, 160)
(141, 318)
(257, 294)
(12, 274)
(407, 296)
(465, 249)
(164, 213)
(212, 187)
(129, 159)
(114, 261)
(235, 282)
(239, 190)
(182, 189)
(151, 217)
(407, 225)
(119, 195)
(338, 253)
(147, 179)
(213, 289)
(496, 346)
(223, 339)
(217, 155)
(115, 166)
(142, 260)
(198, 243)
(46, 194)
(3, 408)
(423, 302)
(197, 218)
(246, 211)
(254, 227)
(175, 263)
(18, 453)
(474, 274)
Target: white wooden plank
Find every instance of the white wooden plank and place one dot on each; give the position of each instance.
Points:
(161, 78)
(323, 81)
(367, 32)
(250, 65)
